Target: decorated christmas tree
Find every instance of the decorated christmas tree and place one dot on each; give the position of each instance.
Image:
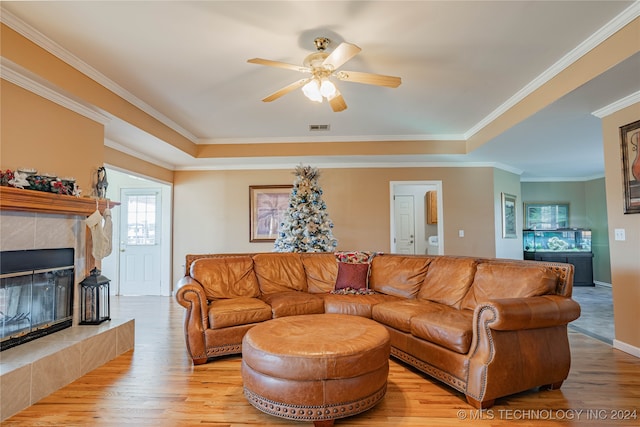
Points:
(306, 226)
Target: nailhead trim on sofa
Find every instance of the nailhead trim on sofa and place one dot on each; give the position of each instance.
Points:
(221, 350)
(445, 377)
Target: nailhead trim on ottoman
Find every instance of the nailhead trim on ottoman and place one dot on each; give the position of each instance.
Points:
(314, 413)
(316, 367)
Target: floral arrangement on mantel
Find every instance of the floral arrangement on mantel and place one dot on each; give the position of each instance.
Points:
(30, 179)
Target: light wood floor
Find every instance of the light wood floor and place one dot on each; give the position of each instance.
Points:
(156, 385)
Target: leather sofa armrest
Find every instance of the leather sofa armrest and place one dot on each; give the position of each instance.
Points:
(500, 328)
(191, 296)
(512, 314)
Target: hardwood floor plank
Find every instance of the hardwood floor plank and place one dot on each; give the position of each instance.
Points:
(156, 385)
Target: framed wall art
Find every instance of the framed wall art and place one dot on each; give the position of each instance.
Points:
(267, 205)
(509, 216)
(630, 145)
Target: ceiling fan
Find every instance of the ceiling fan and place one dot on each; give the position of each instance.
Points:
(322, 66)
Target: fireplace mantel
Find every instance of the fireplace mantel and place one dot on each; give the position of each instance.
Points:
(16, 199)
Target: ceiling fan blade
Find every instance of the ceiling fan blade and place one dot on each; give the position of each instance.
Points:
(341, 54)
(337, 102)
(368, 78)
(279, 64)
(285, 90)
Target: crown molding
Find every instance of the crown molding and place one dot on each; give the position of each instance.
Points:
(19, 76)
(617, 105)
(563, 178)
(337, 138)
(613, 26)
(55, 49)
(336, 165)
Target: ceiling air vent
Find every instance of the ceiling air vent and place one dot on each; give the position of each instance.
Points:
(316, 128)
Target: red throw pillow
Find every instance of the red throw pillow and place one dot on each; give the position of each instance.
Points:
(355, 276)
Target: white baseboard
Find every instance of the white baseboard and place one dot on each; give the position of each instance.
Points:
(627, 348)
(603, 284)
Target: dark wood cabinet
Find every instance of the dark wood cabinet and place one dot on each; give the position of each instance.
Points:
(582, 262)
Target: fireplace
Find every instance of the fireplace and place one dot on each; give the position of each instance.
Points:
(36, 220)
(36, 294)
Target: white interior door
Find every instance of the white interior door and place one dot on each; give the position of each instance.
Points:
(404, 225)
(140, 242)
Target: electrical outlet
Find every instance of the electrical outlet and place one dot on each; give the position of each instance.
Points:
(619, 234)
(460, 233)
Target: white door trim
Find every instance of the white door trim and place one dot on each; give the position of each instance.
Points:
(128, 179)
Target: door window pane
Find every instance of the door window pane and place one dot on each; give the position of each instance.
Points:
(141, 219)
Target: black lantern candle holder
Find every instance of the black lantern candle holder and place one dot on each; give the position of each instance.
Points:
(94, 299)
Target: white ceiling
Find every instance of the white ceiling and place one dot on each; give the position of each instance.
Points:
(459, 61)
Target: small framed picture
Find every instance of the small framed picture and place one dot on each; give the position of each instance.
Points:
(267, 206)
(509, 216)
(630, 145)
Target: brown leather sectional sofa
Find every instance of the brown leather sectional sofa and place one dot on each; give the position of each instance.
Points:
(486, 327)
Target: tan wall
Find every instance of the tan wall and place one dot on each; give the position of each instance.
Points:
(625, 255)
(211, 209)
(132, 164)
(344, 148)
(39, 134)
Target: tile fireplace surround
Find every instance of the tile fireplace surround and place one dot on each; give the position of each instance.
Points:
(31, 371)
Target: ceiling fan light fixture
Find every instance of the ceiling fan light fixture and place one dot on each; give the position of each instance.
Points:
(312, 91)
(322, 66)
(327, 89)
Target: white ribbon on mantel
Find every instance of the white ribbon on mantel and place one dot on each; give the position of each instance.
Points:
(101, 234)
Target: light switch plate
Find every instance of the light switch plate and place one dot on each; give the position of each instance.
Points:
(460, 233)
(619, 234)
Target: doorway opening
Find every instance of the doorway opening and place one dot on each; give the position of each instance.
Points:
(140, 263)
(413, 229)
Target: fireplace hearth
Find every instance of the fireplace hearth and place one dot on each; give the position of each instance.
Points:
(36, 294)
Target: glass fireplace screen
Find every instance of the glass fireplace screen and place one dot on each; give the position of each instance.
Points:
(36, 294)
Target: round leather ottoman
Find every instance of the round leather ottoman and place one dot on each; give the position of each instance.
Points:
(315, 367)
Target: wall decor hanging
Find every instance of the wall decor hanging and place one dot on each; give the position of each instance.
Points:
(630, 146)
(509, 216)
(267, 205)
